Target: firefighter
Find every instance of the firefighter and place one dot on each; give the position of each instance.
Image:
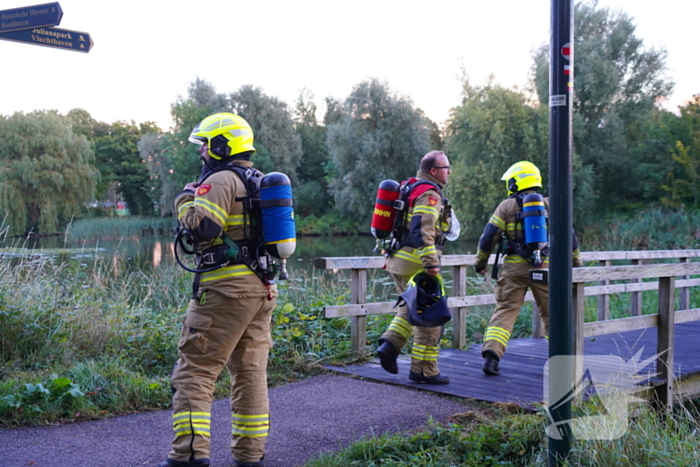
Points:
(227, 322)
(522, 179)
(420, 245)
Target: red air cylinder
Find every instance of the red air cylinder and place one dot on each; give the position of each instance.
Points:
(384, 211)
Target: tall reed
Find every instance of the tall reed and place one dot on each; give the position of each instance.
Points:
(110, 228)
(650, 229)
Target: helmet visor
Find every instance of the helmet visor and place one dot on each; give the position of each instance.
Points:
(197, 139)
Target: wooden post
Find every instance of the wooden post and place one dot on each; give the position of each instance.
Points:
(636, 297)
(604, 300)
(358, 326)
(459, 315)
(537, 327)
(684, 292)
(579, 305)
(664, 348)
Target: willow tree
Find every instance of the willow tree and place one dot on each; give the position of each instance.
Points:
(47, 174)
(377, 134)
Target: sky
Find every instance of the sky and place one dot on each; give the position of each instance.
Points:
(146, 53)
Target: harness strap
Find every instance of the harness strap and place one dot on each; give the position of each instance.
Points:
(195, 285)
(276, 203)
(522, 215)
(410, 190)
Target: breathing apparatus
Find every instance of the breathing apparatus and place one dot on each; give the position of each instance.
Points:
(534, 216)
(278, 227)
(391, 208)
(269, 228)
(522, 176)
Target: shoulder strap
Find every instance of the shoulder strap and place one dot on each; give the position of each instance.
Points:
(246, 174)
(419, 187)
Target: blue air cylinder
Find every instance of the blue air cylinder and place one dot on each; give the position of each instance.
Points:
(535, 221)
(279, 230)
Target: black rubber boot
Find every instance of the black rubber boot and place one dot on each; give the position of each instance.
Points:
(388, 354)
(491, 366)
(173, 463)
(436, 379)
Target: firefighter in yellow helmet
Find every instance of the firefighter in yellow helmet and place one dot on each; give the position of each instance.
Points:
(227, 323)
(522, 179)
(420, 247)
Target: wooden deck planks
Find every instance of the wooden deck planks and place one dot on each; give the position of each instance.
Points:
(521, 379)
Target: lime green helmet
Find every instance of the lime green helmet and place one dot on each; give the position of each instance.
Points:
(522, 175)
(225, 134)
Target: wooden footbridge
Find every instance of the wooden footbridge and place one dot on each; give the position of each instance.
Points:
(668, 337)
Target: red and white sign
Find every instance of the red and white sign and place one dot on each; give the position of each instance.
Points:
(567, 69)
(566, 51)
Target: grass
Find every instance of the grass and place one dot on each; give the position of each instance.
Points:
(512, 438)
(475, 438)
(111, 330)
(652, 439)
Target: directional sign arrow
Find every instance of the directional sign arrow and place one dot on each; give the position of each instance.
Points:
(52, 37)
(28, 17)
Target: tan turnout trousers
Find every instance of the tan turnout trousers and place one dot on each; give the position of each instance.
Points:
(511, 288)
(220, 331)
(426, 342)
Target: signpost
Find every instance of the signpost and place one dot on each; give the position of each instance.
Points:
(561, 79)
(52, 37)
(34, 25)
(29, 17)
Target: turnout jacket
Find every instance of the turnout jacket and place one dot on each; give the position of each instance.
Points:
(504, 220)
(207, 212)
(427, 220)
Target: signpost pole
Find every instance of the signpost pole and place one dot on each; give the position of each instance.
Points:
(560, 221)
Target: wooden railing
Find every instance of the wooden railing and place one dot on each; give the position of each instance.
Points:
(665, 318)
(459, 302)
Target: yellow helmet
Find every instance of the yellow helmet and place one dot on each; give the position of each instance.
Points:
(226, 134)
(522, 175)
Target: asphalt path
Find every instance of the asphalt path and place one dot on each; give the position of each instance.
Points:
(317, 415)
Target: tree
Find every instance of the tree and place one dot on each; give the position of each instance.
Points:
(378, 135)
(153, 149)
(47, 174)
(82, 123)
(492, 129)
(617, 83)
(311, 196)
(683, 178)
(122, 168)
(183, 158)
(277, 145)
(174, 161)
(171, 159)
(653, 155)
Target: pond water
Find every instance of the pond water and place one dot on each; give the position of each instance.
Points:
(154, 251)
